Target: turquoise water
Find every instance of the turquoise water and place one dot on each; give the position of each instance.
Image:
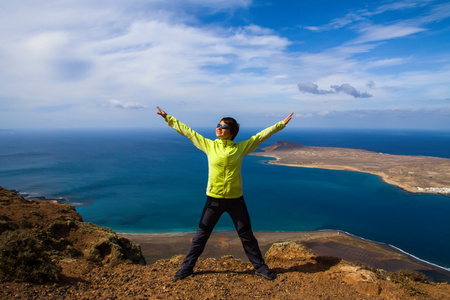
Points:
(154, 181)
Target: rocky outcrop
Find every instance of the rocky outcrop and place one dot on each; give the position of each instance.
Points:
(35, 234)
(365, 280)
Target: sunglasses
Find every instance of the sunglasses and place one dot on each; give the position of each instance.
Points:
(223, 126)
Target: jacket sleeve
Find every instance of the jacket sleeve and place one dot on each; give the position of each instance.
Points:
(197, 139)
(253, 143)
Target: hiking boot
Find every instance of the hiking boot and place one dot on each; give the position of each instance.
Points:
(265, 272)
(181, 274)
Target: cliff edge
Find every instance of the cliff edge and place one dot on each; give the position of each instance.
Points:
(48, 252)
(36, 236)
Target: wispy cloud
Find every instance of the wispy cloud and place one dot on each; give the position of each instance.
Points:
(375, 33)
(125, 104)
(401, 5)
(364, 15)
(369, 31)
(393, 118)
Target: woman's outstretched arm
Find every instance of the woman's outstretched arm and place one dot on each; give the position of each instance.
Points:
(253, 143)
(198, 140)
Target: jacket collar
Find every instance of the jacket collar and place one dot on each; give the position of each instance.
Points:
(225, 142)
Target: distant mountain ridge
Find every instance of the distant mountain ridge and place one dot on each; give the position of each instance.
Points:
(284, 146)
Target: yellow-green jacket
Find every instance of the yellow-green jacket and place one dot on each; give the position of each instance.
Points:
(224, 157)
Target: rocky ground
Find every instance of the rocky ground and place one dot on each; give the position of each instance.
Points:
(300, 276)
(78, 260)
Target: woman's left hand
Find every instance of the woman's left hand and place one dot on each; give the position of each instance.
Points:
(288, 118)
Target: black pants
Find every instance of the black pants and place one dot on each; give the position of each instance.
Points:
(214, 208)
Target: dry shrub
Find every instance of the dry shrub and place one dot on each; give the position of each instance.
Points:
(23, 259)
(404, 276)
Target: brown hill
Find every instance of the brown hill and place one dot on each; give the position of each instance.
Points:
(48, 252)
(284, 146)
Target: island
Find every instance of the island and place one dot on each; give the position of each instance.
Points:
(415, 174)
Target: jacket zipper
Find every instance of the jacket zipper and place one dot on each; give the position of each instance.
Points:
(225, 169)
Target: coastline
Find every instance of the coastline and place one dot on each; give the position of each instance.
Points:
(159, 246)
(414, 174)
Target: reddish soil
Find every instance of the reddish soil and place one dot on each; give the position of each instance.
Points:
(107, 267)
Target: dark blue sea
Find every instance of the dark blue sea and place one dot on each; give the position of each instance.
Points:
(154, 181)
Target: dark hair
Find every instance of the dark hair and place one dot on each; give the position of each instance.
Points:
(234, 126)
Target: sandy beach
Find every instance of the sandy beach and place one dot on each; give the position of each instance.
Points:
(325, 243)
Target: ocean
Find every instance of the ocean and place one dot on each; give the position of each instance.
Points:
(154, 181)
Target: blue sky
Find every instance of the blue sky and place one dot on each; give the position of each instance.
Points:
(108, 63)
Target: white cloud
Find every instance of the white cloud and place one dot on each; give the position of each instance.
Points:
(125, 104)
(437, 13)
(394, 61)
(375, 33)
(323, 113)
(338, 23)
(363, 16)
(402, 5)
(147, 58)
(60, 55)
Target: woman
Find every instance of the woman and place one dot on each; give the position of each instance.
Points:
(224, 190)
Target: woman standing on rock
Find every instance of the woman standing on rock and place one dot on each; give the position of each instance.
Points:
(224, 190)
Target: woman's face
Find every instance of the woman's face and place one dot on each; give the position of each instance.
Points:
(223, 133)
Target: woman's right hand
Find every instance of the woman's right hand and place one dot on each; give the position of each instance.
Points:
(161, 112)
(288, 118)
